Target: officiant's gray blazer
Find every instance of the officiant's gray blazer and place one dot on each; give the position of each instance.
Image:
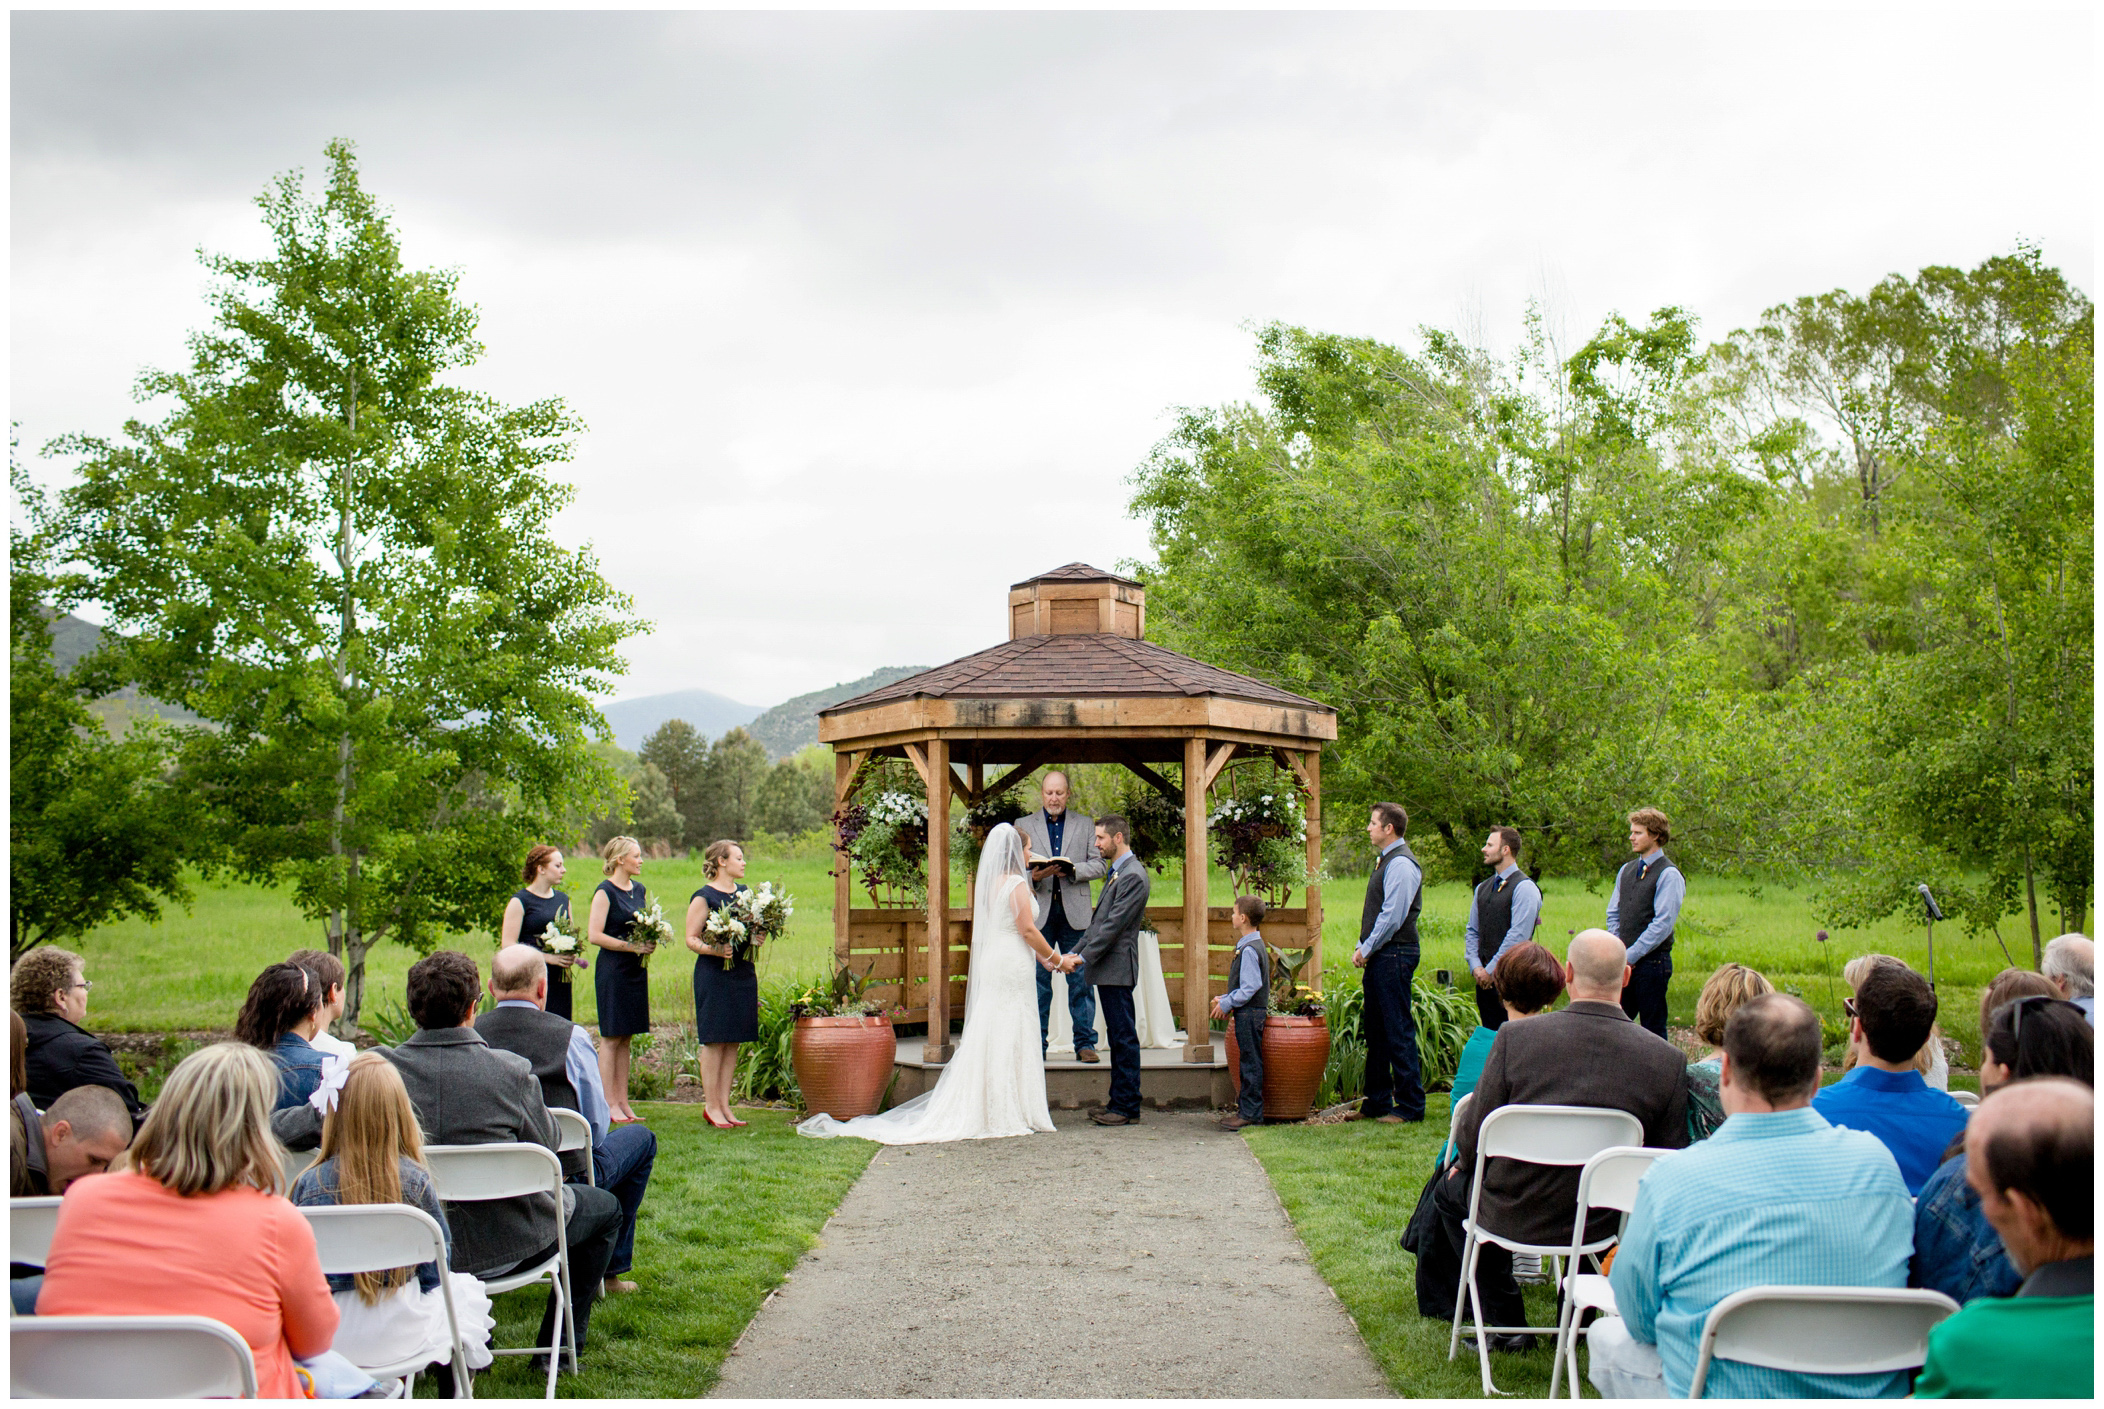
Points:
(1078, 844)
(1111, 948)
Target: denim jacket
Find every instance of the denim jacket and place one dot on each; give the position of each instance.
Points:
(299, 1070)
(1956, 1250)
(317, 1187)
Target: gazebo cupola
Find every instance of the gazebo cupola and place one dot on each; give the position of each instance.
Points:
(1077, 600)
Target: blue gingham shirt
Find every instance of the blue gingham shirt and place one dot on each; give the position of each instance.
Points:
(1780, 1198)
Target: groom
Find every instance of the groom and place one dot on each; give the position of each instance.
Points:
(1110, 951)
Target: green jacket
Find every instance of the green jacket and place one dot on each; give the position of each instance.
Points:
(2029, 1346)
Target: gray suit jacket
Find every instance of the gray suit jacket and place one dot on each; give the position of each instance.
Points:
(467, 1092)
(1078, 844)
(1111, 948)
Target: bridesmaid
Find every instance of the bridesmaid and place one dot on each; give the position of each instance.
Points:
(726, 1001)
(532, 910)
(623, 985)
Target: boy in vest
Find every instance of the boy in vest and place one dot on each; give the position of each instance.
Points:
(1246, 1004)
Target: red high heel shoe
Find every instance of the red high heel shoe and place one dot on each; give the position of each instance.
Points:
(736, 1121)
(709, 1116)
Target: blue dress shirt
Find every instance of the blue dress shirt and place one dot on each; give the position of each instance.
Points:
(1249, 964)
(581, 1065)
(1526, 908)
(1398, 890)
(1666, 897)
(1913, 1118)
(1780, 1198)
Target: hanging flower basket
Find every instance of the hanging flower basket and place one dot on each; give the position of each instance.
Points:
(885, 842)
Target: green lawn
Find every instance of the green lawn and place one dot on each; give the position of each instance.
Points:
(729, 1213)
(1349, 1190)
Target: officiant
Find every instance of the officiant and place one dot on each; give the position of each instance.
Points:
(1063, 904)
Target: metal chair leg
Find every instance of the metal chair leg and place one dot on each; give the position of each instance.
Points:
(1468, 1245)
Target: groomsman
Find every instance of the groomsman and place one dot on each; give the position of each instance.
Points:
(1387, 951)
(1503, 913)
(1063, 904)
(1641, 912)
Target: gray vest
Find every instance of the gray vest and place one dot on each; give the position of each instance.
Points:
(543, 1039)
(1376, 892)
(1635, 908)
(1259, 1002)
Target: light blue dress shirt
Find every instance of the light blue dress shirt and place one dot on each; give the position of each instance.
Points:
(581, 1065)
(1398, 891)
(1249, 964)
(1526, 909)
(1776, 1199)
(1666, 896)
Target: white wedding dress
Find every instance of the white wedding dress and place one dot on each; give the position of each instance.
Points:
(994, 1084)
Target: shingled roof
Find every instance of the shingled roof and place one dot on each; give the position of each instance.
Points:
(1081, 666)
(1075, 572)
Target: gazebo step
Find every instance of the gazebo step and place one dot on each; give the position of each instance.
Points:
(1167, 1081)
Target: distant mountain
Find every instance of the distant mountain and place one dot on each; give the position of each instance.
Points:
(711, 715)
(73, 639)
(793, 724)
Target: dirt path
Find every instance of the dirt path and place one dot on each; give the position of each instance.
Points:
(1148, 1261)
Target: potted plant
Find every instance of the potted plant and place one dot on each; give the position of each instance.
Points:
(1296, 1041)
(843, 1048)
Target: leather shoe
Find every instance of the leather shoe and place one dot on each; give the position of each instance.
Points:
(1109, 1117)
(1516, 1344)
(1087, 1054)
(1233, 1121)
(1389, 1119)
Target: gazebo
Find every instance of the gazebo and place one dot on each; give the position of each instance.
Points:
(1076, 682)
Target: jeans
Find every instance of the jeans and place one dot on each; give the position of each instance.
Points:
(621, 1163)
(594, 1224)
(24, 1292)
(1623, 1367)
(1081, 995)
(1124, 1050)
(1392, 1081)
(1249, 1038)
(1645, 997)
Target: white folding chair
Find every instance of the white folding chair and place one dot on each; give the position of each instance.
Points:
(1454, 1124)
(1820, 1330)
(1608, 1180)
(297, 1162)
(30, 1224)
(354, 1238)
(1554, 1135)
(574, 1132)
(485, 1173)
(1968, 1099)
(128, 1357)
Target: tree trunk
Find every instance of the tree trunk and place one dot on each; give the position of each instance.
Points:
(2038, 950)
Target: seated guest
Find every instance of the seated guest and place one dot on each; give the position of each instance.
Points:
(1889, 1018)
(568, 1069)
(195, 1226)
(82, 1132)
(373, 1153)
(1533, 980)
(327, 971)
(2070, 965)
(1778, 1196)
(1589, 1054)
(466, 1092)
(17, 1054)
(283, 1010)
(2008, 986)
(1728, 990)
(51, 994)
(1956, 1250)
(1930, 1061)
(2031, 1151)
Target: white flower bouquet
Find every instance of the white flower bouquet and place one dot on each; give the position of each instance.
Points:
(749, 919)
(650, 929)
(561, 939)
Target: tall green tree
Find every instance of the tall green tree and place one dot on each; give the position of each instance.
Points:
(681, 756)
(796, 795)
(343, 560)
(730, 788)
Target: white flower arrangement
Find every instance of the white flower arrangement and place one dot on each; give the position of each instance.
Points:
(650, 929)
(749, 919)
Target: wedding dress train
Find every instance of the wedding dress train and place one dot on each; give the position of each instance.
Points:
(994, 1084)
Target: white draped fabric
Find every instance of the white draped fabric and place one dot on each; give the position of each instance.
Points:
(1151, 1013)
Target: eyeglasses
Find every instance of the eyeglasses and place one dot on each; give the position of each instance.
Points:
(85, 983)
(1848, 1006)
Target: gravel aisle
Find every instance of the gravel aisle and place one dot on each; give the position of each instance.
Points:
(1147, 1261)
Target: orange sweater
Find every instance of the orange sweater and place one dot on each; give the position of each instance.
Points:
(125, 1246)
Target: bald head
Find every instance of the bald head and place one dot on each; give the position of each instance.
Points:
(1596, 967)
(2070, 965)
(516, 972)
(2030, 1155)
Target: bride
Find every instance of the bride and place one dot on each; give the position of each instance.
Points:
(995, 1083)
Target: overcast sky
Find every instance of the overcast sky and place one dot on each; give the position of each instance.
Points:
(871, 315)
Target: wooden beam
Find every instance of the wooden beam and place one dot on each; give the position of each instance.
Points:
(1214, 764)
(961, 784)
(846, 778)
(1152, 779)
(937, 762)
(1198, 1037)
(1291, 759)
(845, 767)
(1312, 777)
(917, 755)
(1038, 758)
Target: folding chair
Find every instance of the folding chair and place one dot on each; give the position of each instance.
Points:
(354, 1238)
(1554, 1135)
(1608, 1180)
(297, 1162)
(1968, 1099)
(1453, 1139)
(1820, 1330)
(30, 1224)
(485, 1173)
(575, 1133)
(128, 1357)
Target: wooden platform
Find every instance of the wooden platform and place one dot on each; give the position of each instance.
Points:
(1167, 1082)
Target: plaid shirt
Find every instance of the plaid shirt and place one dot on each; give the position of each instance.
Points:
(1777, 1199)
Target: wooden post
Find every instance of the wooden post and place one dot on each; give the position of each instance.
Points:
(843, 878)
(1198, 1041)
(938, 1044)
(1314, 766)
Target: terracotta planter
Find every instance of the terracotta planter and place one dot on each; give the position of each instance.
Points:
(843, 1064)
(1296, 1051)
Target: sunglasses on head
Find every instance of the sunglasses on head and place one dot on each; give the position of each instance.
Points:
(2024, 1005)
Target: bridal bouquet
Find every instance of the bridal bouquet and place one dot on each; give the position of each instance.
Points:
(562, 939)
(650, 929)
(750, 919)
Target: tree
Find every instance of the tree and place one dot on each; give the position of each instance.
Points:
(344, 563)
(730, 788)
(98, 829)
(681, 756)
(796, 795)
